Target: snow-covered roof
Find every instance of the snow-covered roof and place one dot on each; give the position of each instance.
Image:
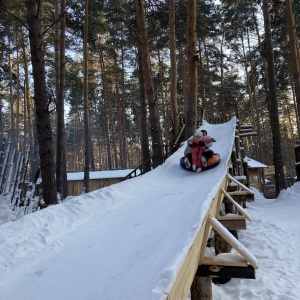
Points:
(100, 174)
(253, 163)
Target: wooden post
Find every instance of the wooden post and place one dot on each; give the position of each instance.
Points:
(221, 246)
(234, 163)
(238, 155)
(201, 288)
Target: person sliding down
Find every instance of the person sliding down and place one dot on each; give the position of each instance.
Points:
(207, 153)
(198, 147)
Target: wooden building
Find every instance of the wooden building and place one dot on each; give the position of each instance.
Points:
(98, 180)
(255, 173)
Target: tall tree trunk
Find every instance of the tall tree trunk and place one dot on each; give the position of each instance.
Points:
(143, 118)
(173, 73)
(293, 40)
(264, 74)
(120, 112)
(201, 79)
(111, 128)
(294, 97)
(11, 97)
(183, 72)
(249, 88)
(257, 119)
(61, 165)
(86, 116)
(192, 60)
(222, 100)
(123, 104)
(208, 83)
(163, 104)
(149, 87)
(107, 113)
(18, 140)
(41, 103)
(27, 103)
(272, 102)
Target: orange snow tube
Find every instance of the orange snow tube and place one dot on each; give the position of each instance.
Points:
(213, 160)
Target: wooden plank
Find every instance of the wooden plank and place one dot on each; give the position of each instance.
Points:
(239, 199)
(253, 133)
(243, 126)
(231, 260)
(240, 248)
(231, 188)
(246, 129)
(233, 223)
(231, 216)
(239, 193)
(242, 179)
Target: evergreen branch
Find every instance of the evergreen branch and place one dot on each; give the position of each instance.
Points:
(53, 23)
(16, 17)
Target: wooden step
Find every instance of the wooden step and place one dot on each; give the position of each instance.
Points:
(233, 221)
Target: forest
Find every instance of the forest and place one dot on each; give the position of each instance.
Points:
(99, 85)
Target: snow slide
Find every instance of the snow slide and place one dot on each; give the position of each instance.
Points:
(126, 241)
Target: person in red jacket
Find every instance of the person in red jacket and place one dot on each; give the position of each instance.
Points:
(206, 153)
(196, 147)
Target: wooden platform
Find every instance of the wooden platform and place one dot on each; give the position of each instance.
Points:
(233, 221)
(240, 196)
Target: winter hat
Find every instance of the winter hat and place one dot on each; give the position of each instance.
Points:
(199, 133)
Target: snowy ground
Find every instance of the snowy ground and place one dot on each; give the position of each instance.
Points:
(273, 237)
(128, 240)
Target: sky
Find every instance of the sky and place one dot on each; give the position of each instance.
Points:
(128, 241)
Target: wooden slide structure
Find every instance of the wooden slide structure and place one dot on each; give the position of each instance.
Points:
(233, 194)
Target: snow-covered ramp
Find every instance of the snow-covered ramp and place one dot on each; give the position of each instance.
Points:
(127, 241)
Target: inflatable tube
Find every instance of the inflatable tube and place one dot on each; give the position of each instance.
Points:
(211, 163)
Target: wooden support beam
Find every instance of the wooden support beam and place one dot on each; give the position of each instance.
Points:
(253, 133)
(241, 179)
(225, 259)
(232, 188)
(246, 129)
(249, 257)
(233, 221)
(240, 184)
(226, 272)
(244, 126)
(239, 193)
(239, 208)
(241, 198)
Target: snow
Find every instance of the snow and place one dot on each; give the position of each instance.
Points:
(128, 241)
(273, 237)
(253, 163)
(100, 174)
